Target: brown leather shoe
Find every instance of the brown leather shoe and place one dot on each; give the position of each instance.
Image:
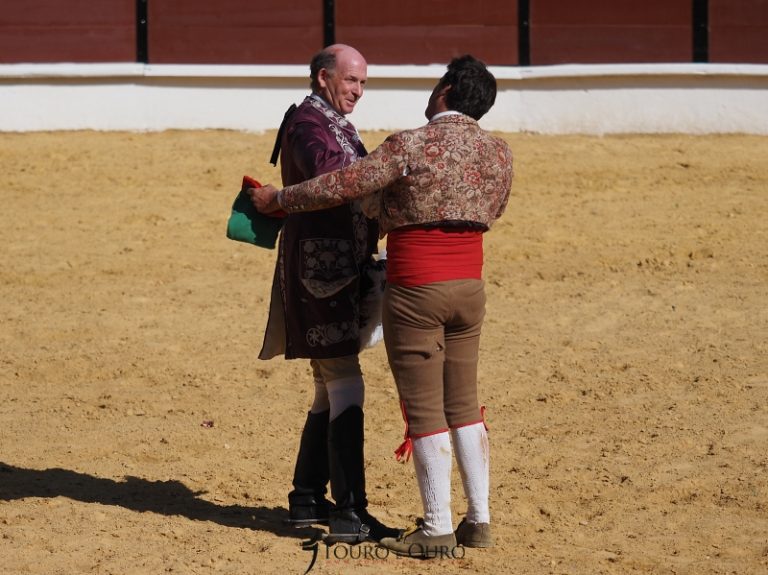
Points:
(474, 534)
(415, 543)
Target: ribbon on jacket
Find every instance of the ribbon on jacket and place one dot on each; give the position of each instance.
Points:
(279, 138)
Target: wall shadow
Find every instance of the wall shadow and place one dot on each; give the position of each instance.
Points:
(163, 497)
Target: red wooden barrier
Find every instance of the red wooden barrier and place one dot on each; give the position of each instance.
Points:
(429, 31)
(385, 31)
(605, 31)
(738, 31)
(234, 31)
(37, 31)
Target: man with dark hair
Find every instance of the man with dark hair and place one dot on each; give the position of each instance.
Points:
(473, 89)
(315, 310)
(437, 188)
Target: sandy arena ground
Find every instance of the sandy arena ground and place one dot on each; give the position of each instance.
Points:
(624, 364)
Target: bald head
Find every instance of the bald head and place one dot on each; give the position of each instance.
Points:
(344, 51)
(339, 73)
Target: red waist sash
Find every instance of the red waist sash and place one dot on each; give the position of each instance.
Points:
(418, 256)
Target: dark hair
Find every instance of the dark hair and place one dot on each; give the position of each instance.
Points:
(323, 59)
(473, 87)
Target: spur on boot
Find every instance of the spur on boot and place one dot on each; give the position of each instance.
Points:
(376, 529)
(471, 534)
(355, 526)
(415, 543)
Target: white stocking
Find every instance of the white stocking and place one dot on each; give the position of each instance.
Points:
(432, 459)
(473, 457)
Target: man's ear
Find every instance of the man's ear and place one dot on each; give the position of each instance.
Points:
(322, 77)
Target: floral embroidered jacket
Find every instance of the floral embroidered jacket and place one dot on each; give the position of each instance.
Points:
(321, 257)
(449, 170)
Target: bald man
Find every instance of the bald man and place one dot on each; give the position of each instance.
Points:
(315, 308)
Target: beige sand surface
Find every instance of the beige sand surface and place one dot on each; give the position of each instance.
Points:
(624, 364)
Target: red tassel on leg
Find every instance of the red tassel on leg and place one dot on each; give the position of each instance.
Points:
(405, 450)
(406, 447)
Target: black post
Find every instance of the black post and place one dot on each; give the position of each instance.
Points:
(142, 40)
(329, 23)
(701, 30)
(524, 32)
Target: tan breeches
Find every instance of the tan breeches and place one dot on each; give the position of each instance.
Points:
(432, 335)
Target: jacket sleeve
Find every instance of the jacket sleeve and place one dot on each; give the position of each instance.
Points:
(366, 176)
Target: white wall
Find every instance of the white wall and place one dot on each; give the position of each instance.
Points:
(590, 99)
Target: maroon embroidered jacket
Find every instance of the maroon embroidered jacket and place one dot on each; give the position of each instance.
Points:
(315, 307)
(448, 170)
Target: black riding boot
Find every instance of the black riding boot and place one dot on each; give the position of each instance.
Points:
(349, 520)
(307, 504)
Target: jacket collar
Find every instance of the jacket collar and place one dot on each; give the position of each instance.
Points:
(453, 119)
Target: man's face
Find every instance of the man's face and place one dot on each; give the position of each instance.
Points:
(343, 87)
